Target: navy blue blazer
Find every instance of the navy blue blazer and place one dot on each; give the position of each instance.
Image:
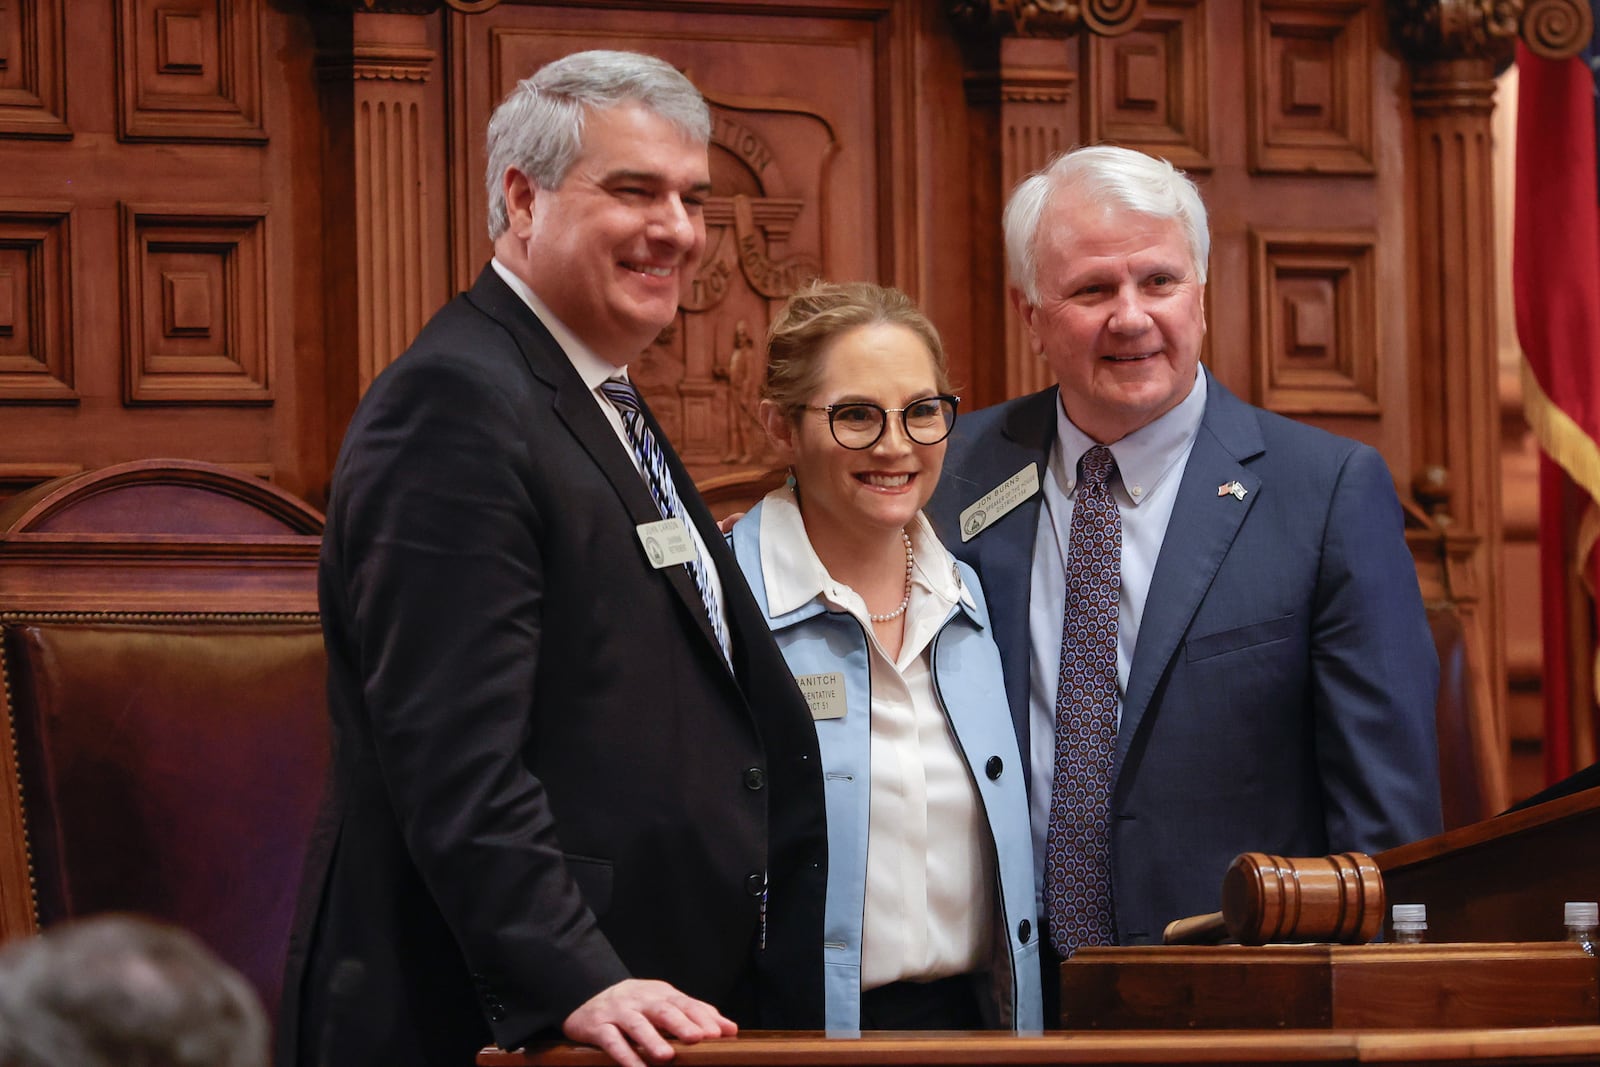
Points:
(1281, 697)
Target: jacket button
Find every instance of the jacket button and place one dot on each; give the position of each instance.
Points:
(754, 884)
(1024, 931)
(497, 1014)
(754, 778)
(994, 767)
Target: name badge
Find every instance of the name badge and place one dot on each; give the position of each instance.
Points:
(999, 500)
(666, 542)
(824, 692)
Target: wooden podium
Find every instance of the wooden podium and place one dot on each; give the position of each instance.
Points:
(1502, 880)
(1494, 957)
(1322, 987)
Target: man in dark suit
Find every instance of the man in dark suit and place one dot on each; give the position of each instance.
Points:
(575, 788)
(1262, 658)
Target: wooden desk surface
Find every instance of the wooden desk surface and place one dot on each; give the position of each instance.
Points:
(1545, 1045)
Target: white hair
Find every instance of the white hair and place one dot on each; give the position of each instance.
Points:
(1108, 175)
(538, 127)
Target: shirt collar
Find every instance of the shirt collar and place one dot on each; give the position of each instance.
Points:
(1144, 457)
(936, 568)
(590, 367)
(794, 576)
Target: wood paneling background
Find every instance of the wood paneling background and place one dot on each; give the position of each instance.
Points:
(161, 282)
(222, 218)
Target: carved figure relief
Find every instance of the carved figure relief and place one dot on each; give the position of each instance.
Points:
(743, 372)
(764, 238)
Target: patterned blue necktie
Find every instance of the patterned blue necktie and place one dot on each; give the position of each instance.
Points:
(621, 394)
(1077, 894)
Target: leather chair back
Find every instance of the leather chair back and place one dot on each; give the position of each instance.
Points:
(171, 767)
(161, 760)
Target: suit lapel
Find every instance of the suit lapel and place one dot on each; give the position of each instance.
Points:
(577, 408)
(1003, 554)
(1229, 434)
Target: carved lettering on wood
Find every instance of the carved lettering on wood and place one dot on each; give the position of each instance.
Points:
(196, 309)
(35, 303)
(1150, 86)
(32, 75)
(1310, 66)
(189, 70)
(1316, 322)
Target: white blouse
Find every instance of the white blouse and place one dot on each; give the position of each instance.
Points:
(930, 872)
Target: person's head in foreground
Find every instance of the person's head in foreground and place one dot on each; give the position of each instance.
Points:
(121, 991)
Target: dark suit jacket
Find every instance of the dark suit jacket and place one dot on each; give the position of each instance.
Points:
(545, 777)
(1281, 696)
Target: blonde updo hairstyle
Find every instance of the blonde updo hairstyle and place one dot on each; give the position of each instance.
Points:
(819, 313)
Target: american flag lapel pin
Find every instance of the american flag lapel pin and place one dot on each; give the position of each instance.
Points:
(1233, 489)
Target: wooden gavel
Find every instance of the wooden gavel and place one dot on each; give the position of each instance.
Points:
(1269, 898)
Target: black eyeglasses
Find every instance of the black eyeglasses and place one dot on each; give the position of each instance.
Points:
(859, 423)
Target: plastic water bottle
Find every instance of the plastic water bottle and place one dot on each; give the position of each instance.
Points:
(1410, 922)
(1581, 918)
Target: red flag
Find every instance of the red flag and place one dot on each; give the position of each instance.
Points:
(1556, 279)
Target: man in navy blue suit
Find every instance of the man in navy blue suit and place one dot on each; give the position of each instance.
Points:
(1274, 678)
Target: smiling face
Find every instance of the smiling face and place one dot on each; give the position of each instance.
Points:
(1120, 315)
(851, 493)
(610, 248)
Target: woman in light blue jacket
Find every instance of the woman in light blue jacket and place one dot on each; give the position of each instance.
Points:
(929, 920)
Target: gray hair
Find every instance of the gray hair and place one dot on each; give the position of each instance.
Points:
(115, 990)
(538, 127)
(1108, 175)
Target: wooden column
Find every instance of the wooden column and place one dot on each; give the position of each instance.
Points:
(383, 214)
(1020, 80)
(1456, 48)
(1457, 366)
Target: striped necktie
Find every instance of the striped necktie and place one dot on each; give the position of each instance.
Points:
(1077, 894)
(656, 475)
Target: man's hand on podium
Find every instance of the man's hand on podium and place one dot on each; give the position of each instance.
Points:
(635, 1013)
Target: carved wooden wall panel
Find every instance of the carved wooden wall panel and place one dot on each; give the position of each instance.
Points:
(189, 70)
(1150, 87)
(196, 311)
(1316, 343)
(1310, 64)
(161, 264)
(36, 302)
(32, 72)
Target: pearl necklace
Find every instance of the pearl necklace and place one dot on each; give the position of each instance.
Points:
(905, 601)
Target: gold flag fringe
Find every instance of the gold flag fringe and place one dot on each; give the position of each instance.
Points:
(1575, 452)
